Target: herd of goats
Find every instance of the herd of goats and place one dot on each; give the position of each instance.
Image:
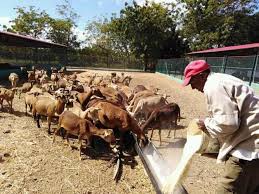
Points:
(100, 106)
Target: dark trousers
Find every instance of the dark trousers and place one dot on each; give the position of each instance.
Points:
(240, 177)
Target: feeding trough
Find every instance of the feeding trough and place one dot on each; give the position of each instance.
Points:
(156, 167)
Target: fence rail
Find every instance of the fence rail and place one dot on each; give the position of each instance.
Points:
(243, 67)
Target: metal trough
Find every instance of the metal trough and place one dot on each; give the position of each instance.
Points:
(156, 167)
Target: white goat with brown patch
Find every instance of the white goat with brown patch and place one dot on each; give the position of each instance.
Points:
(13, 78)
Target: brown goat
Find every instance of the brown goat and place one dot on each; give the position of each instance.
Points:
(112, 116)
(31, 76)
(83, 98)
(163, 117)
(82, 128)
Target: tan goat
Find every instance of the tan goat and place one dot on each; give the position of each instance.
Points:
(29, 100)
(26, 87)
(49, 107)
(8, 96)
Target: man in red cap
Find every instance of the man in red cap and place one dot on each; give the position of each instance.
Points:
(234, 121)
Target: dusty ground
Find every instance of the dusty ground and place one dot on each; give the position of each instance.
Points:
(32, 164)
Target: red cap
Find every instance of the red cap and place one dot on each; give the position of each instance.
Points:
(194, 68)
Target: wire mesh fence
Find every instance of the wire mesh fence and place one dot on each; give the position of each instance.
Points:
(103, 61)
(243, 67)
(45, 58)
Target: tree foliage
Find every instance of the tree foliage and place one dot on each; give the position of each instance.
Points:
(38, 24)
(145, 31)
(210, 23)
(62, 30)
(32, 22)
(95, 35)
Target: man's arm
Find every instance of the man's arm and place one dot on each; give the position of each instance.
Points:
(224, 110)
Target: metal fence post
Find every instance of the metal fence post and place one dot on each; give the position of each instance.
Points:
(167, 72)
(224, 64)
(254, 69)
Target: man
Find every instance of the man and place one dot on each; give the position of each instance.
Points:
(234, 121)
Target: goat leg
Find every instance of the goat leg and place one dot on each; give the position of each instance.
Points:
(38, 120)
(169, 132)
(55, 133)
(11, 105)
(160, 139)
(26, 109)
(1, 102)
(68, 143)
(151, 134)
(80, 146)
(49, 124)
(89, 142)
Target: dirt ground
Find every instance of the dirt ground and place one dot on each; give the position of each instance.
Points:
(31, 163)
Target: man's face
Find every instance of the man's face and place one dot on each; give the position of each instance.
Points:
(197, 82)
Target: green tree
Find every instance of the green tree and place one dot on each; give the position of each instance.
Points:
(62, 30)
(33, 22)
(95, 35)
(253, 25)
(144, 30)
(212, 23)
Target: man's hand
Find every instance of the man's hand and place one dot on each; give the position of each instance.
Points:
(202, 126)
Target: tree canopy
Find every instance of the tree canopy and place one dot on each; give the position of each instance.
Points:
(208, 24)
(145, 31)
(32, 22)
(38, 24)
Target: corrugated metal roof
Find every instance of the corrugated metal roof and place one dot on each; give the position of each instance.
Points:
(13, 39)
(227, 48)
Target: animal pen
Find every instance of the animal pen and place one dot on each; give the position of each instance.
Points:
(240, 61)
(18, 51)
(21, 51)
